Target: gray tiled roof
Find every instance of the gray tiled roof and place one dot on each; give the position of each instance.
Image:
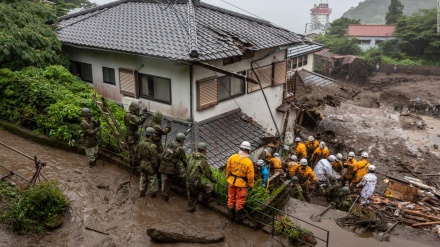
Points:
(302, 49)
(149, 28)
(224, 133)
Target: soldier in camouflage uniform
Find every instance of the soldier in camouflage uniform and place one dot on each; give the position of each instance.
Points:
(90, 128)
(149, 164)
(331, 193)
(172, 156)
(132, 120)
(296, 191)
(156, 124)
(344, 200)
(196, 172)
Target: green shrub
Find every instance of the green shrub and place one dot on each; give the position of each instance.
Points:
(36, 209)
(49, 101)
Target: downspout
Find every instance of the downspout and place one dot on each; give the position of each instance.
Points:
(191, 103)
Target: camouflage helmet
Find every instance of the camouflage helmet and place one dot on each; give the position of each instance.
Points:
(295, 179)
(345, 190)
(134, 107)
(85, 111)
(150, 132)
(180, 137)
(202, 146)
(157, 117)
(332, 177)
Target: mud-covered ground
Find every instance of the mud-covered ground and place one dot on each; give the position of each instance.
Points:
(102, 200)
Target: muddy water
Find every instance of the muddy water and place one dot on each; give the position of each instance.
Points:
(113, 208)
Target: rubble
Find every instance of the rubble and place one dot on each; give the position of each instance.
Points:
(183, 235)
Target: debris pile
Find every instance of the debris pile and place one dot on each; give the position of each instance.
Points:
(415, 205)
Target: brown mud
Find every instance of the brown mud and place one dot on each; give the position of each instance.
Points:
(102, 200)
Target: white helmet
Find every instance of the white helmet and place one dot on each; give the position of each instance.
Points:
(311, 138)
(297, 139)
(303, 162)
(364, 155)
(322, 145)
(245, 145)
(351, 154)
(276, 155)
(294, 158)
(371, 168)
(339, 156)
(331, 158)
(260, 162)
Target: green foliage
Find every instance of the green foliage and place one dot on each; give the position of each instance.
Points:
(419, 34)
(295, 234)
(36, 209)
(373, 56)
(340, 45)
(374, 11)
(339, 26)
(49, 101)
(26, 38)
(395, 11)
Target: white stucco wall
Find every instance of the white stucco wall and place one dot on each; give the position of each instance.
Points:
(309, 66)
(253, 104)
(373, 43)
(179, 75)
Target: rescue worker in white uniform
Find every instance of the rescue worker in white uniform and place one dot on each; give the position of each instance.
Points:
(324, 169)
(368, 184)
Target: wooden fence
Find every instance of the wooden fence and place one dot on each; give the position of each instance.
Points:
(410, 69)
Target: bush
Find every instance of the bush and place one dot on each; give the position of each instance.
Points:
(49, 101)
(36, 209)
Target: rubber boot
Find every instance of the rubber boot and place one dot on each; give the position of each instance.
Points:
(142, 193)
(231, 213)
(239, 216)
(166, 198)
(91, 164)
(153, 195)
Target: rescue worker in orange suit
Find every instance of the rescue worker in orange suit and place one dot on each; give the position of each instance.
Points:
(320, 153)
(292, 166)
(240, 174)
(360, 169)
(305, 175)
(337, 164)
(311, 146)
(300, 150)
(276, 163)
(349, 173)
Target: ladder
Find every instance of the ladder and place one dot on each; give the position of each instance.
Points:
(110, 120)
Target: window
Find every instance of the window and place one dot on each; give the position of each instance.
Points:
(108, 75)
(264, 74)
(155, 88)
(207, 93)
(83, 70)
(298, 62)
(229, 87)
(364, 42)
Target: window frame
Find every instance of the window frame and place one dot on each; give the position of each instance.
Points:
(139, 75)
(198, 96)
(252, 84)
(114, 76)
(230, 83)
(80, 75)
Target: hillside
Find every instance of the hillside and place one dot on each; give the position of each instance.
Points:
(374, 11)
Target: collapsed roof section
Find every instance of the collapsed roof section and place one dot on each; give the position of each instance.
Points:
(158, 29)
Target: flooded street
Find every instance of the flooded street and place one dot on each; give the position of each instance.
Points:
(113, 208)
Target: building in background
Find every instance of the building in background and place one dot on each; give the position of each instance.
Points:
(370, 36)
(320, 18)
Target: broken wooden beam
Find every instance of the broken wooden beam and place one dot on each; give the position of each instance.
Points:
(426, 223)
(426, 216)
(98, 231)
(167, 234)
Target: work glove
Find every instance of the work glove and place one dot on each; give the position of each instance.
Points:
(249, 189)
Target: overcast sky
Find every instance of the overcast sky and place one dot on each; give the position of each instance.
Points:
(290, 14)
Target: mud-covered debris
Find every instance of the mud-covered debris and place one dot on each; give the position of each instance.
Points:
(183, 235)
(103, 187)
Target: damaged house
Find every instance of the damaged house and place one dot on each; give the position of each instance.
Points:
(200, 65)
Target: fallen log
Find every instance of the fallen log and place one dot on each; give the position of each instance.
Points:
(427, 223)
(411, 217)
(183, 235)
(426, 216)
